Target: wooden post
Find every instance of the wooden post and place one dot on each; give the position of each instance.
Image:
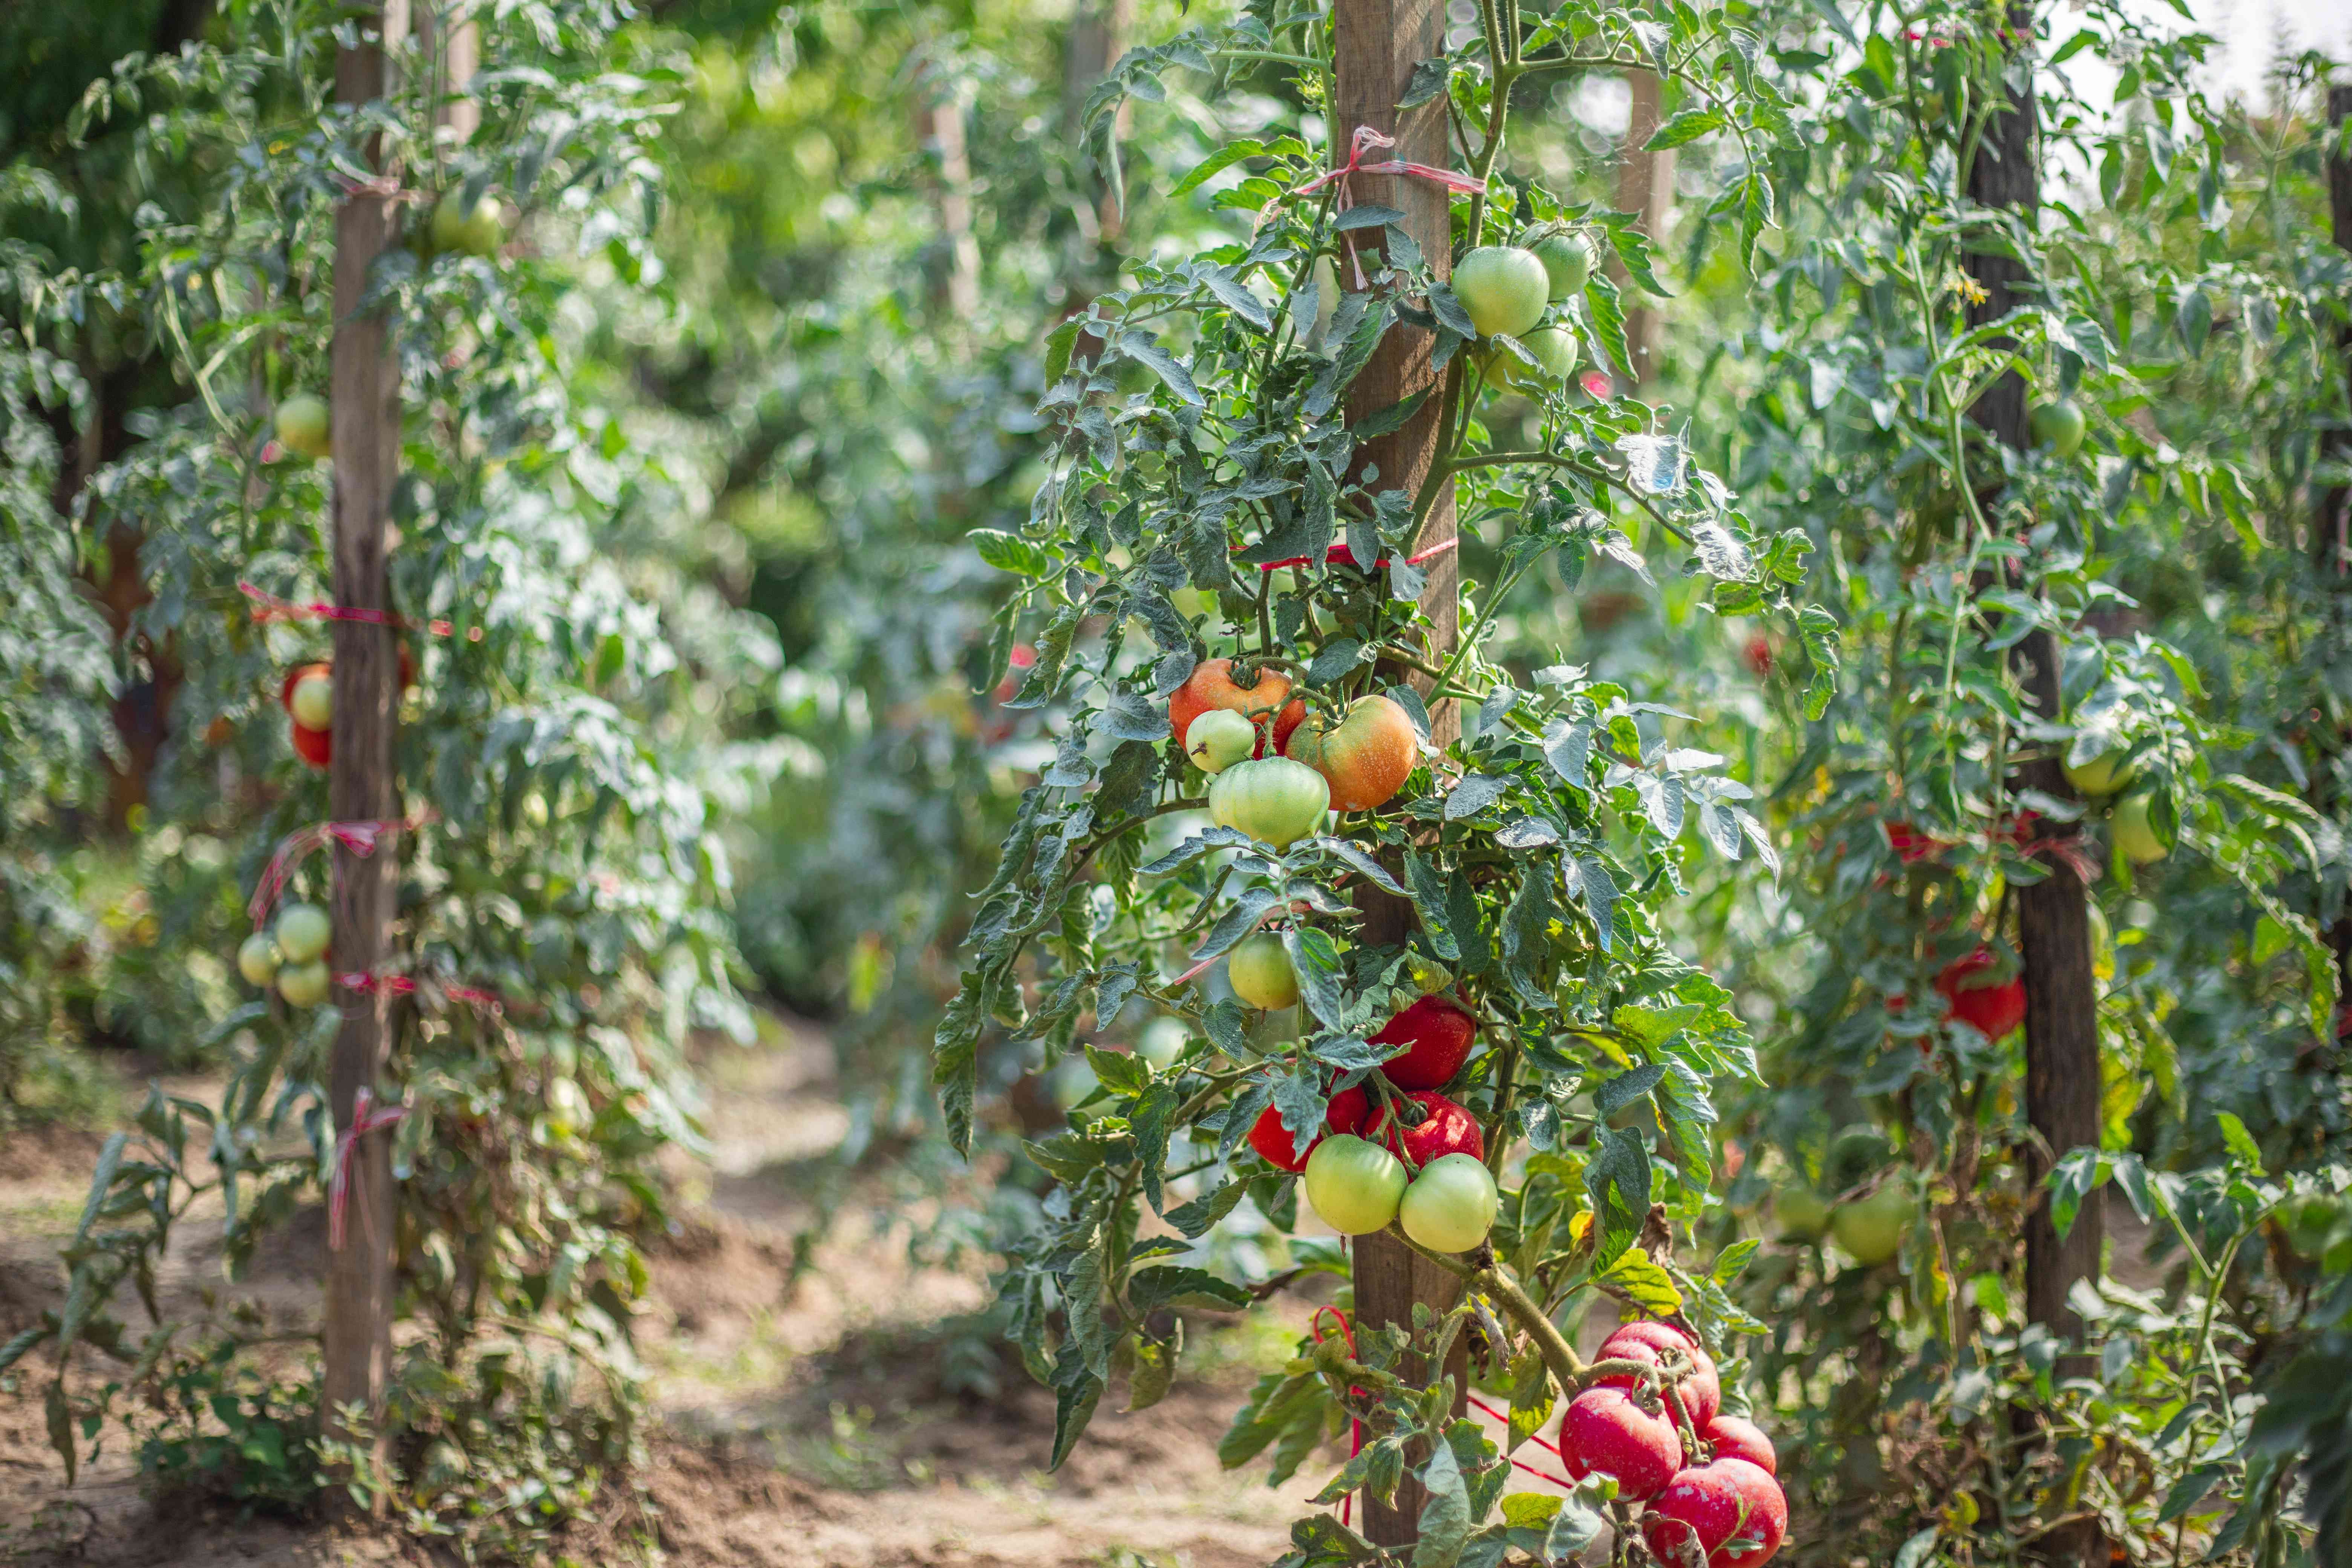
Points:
(2331, 525)
(1645, 187)
(365, 405)
(1098, 31)
(456, 54)
(938, 134)
(1378, 43)
(2062, 1026)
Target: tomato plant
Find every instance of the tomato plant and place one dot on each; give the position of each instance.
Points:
(1208, 535)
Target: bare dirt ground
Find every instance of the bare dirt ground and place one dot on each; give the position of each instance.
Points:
(808, 1421)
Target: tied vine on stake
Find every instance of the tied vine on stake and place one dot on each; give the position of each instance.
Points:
(1225, 608)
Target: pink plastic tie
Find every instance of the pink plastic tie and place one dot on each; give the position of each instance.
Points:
(1355, 1425)
(1340, 555)
(268, 607)
(360, 838)
(1365, 140)
(366, 984)
(365, 1119)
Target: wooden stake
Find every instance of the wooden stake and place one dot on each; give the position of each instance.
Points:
(2331, 525)
(365, 403)
(2054, 923)
(1645, 186)
(1378, 43)
(938, 134)
(456, 54)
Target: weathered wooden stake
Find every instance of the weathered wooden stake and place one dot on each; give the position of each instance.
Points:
(365, 401)
(1378, 43)
(2053, 923)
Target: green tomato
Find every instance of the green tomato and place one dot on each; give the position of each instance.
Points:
(2059, 425)
(2134, 834)
(1555, 351)
(1504, 288)
(477, 230)
(1871, 1229)
(1259, 971)
(1801, 1211)
(1567, 260)
(2103, 774)
(2309, 1223)
(1353, 1185)
(1162, 1042)
(1450, 1205)
(257, 958)
(302, 426)
(313, 701)
(1274, 800)
(303, 984)
(1218, 739)
(302, 932)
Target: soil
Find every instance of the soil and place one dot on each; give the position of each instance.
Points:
(846, 1413)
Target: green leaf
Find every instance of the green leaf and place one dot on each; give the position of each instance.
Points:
(1446, 1519)
(1195, 1219)
(1009, 553)
(1428, 896)
(1636, 1276)
(1618, 1180)
(1172, 1284)
(1686, 126)
(1608, 318)
(2241, 1142)
(1223, 158)
(101, 1181)
(1141, 348)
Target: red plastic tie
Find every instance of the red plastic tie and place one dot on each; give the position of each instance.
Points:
(365, 1119)
(365, 984)
(1365, 140)
(1340, 555)
(268, 607)
(360, 838)
(1355, 1424)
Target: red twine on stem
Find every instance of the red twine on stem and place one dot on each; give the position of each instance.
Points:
(360, 838)
(365, 1119)
(1355, 1425)
(365, 984)
(268, 607)
(1340, 555)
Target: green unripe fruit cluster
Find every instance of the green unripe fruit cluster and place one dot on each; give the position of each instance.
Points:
(1504, 288)
(1567, 260)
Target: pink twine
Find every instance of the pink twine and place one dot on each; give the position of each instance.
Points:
(1364, 140)
(364, 983)
(1339, 554)
(365, 1119)
(268, 607)
(360, 838)
(1355, 1424)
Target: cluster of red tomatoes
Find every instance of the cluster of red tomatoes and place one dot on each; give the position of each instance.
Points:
(1725, 1510)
